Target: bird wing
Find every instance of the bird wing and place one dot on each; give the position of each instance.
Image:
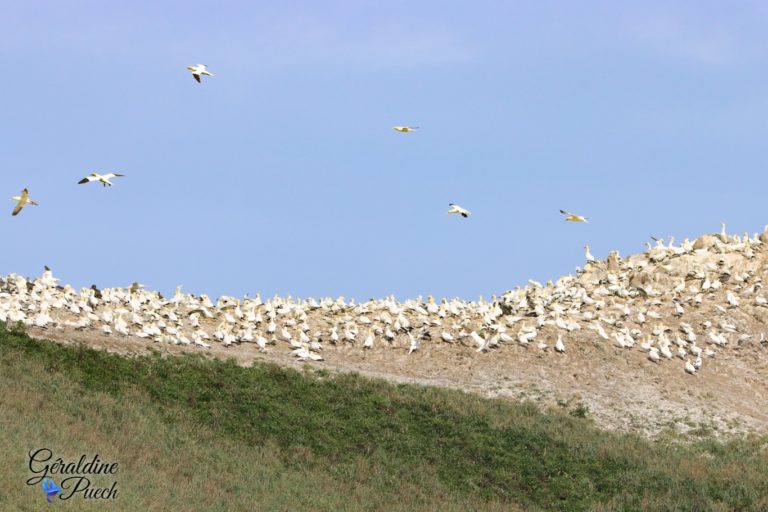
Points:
(112, 175)
(85, 180)
(197, 77)
(18, 208)
(465, 214)
(564, 212)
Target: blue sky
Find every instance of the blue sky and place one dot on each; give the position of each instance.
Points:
(282, 174)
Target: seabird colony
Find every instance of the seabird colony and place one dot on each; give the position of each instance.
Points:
(679, 304)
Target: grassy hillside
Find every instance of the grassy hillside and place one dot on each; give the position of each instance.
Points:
(193, 434)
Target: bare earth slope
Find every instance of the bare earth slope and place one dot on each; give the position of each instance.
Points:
(628, 327)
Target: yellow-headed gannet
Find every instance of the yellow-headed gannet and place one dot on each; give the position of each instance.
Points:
(573, 217)
(22, 201)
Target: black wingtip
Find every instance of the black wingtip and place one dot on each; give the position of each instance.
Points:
(84, 180)
(464, 215)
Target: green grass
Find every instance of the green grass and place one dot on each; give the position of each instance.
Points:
(195, 434)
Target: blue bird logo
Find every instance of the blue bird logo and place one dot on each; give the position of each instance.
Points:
(51, 489)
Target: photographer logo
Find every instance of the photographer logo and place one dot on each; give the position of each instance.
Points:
(83, 479)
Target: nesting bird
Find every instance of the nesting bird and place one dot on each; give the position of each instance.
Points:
(588, 254)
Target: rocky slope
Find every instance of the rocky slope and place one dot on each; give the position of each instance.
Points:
(670, 341)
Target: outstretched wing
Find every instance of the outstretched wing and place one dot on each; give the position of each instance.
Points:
(197, 77)
(84, 180)
(18, 208)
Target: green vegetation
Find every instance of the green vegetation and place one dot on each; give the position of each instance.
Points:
(195, 434)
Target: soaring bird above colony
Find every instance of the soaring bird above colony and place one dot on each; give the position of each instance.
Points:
(102, 178)
(198, 70)
(458, 209)
(573, 217)
(22, 201)
(405, 129)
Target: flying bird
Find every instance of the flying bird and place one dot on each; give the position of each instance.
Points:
(23, 200)
(458, 209)
(198, 70)
(102, 178)
(573, 217)
(405, 129)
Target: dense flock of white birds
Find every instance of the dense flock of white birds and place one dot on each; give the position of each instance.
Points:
(676, 303)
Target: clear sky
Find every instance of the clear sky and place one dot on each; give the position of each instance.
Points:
(282, 173)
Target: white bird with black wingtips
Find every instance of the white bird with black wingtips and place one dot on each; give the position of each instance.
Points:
(458, 210)
(572, 217)
(22, 201)
(198, 70)
(101, 178)
(559, 344)
(588, 254)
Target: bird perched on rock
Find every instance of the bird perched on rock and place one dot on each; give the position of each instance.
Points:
(101, 178)
(23, 200)
(588, 254)
(199, 70)
(414, 345)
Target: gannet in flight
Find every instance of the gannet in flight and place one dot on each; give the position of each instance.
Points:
(405, 129)
(458, 209)
(573, 217)
(23, 200)
(102, 178)
(199, 69)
